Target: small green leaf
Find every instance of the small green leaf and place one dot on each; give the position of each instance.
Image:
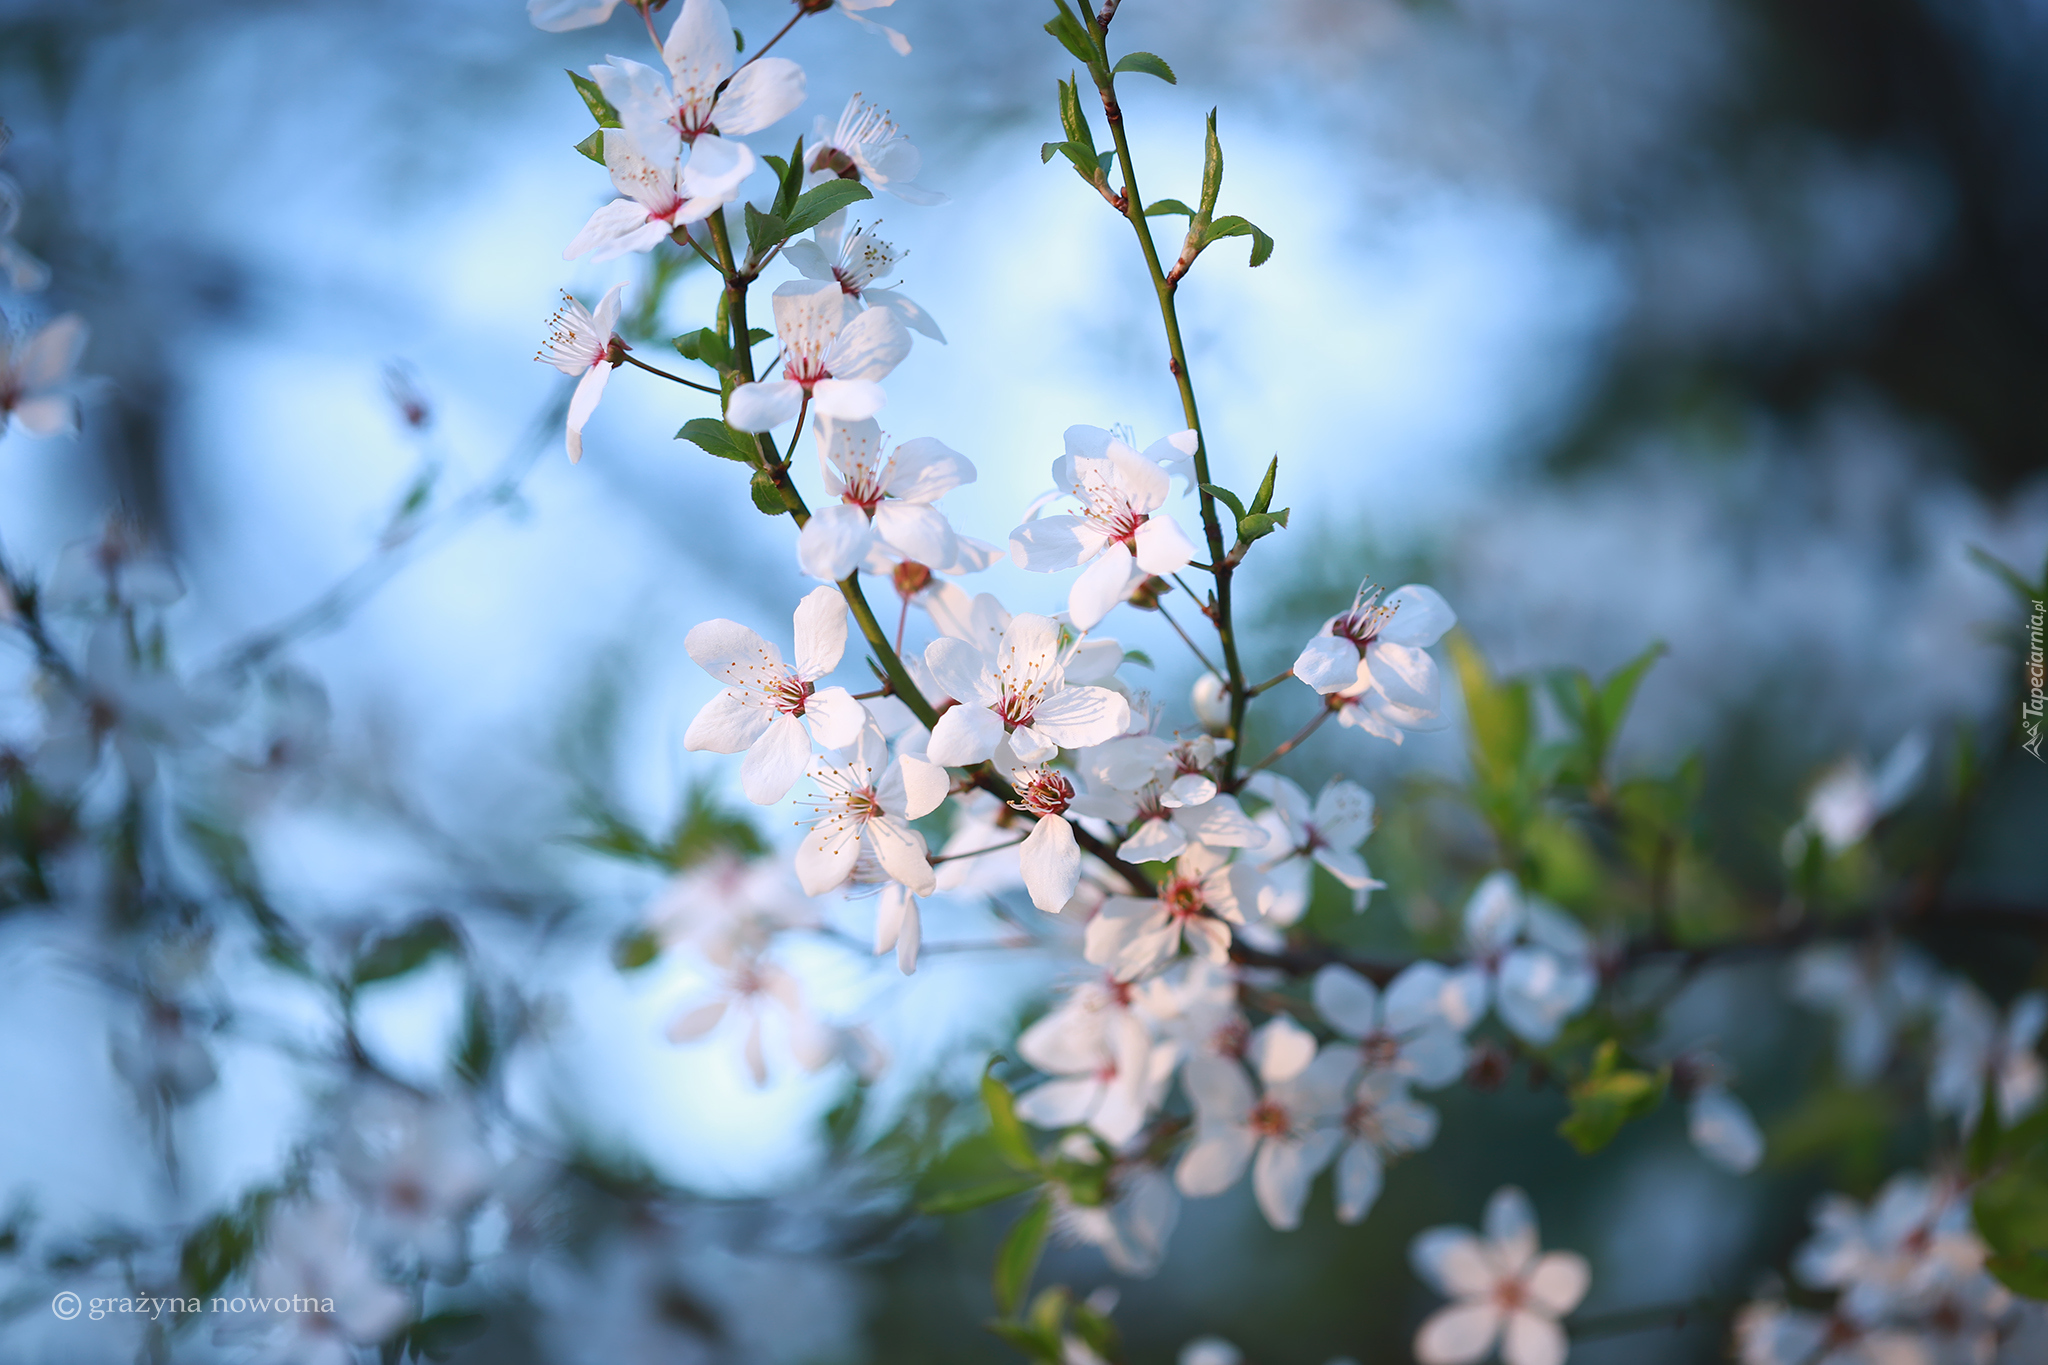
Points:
(739, 41)
(765, 230)
(1004, 1126)
(1212, 171)
(406, 950)
(1233, 226)
(594, 100)
(1264, 497)
(977, 1196)
(1138, 657)
(636, 949)
(1169, 206)
(1017, 1259)
(1226, 497)
(593, 147)
(767, 497)
(477, 1049)
(1074, 115)
(1618, 691)
(2006, 574)
(757, 335)
(1608, 1098)
(1146, 64)
(705, 344)
(1073, 35)
(789, 179)
(815, 206)
(1257, 525)
(215, 1250)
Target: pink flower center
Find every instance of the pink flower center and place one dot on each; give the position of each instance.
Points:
(1269, 1119)
(1045, 792)
(789, 693)
(1182, 897)
(1381, 1049)
(1510, 1295)
(1366, 619)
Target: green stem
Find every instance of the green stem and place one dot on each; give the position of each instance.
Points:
(1163, 288)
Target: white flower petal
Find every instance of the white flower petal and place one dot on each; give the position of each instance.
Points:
(1102, 586)
(728, 724)
(1458, 1334)
(820, 632)
(776, 760)
(763, 92)
(763, 407)
(834, 542)
(1532, 1340)
(1405, 673)
(1421, 616)
(836, 718)
(1076, 717)
(965, 735)
(1328, 664)
(1346, 1000)
(1051, 863)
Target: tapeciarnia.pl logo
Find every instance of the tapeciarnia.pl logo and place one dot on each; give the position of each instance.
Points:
(2032, 706)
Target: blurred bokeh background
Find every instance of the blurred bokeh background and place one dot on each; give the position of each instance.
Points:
(1713, 322)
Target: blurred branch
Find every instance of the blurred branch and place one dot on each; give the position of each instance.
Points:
(333, 607)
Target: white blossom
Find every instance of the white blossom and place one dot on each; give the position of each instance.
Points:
(116, 569)
(1118, 531)
(1196, 903)
(863, 806)
(1401, 1031)
(1873, 990)
(580, 343)
(1508, 1290)
(856, 11)
(1161, 791)
(1209, 699)
(1049, 859)
(1287, 1134)
(1850, 799)
(117, 701)
(1106, 1070)
(885, 499)
(1530, 961)
(1773, 1334)
(1722, 1128)
(834, 354)
(858, 261)
(1906, 1252)
(752, 989)
(560, 16)
(763, 710)
(1327, 833)
(727, 906)
(662, 191)
(34, 371)
(1971, 1048)
(419, 1169)
(1016, 695)
(310, 1260)
(1132, 1223)
(1375, 657)
(865, 144)
(1381, 1121)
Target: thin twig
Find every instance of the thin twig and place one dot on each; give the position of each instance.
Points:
(1314, 724)
(676, 378)
(1189, 640)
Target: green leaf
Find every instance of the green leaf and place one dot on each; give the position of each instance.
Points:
(2006, 574)
(767, 497)
(1073, 35)
(2023, 1273)
(815, 206)
(1017, 1259)
(1074, 116)
(1212, 171)
(1146, 64)
(1004, 1126)
(1618, 691)
(1138, 657)
(1226, 497)
(977, 1196)
(1608, 1098)
(477, 1051)
(216, 1249)
(593, 147)
(765, 230)
(593, 99)
(1234, 226)
(1083, 157)
(1255, 525)
(1169, 206)
(789, 179)
(714, 437)
(635, 949)
(707, 345)
(1264, 497)
(406, 950)
(757, 335)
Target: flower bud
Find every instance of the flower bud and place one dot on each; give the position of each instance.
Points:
(1211, 700)
(910, 577)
